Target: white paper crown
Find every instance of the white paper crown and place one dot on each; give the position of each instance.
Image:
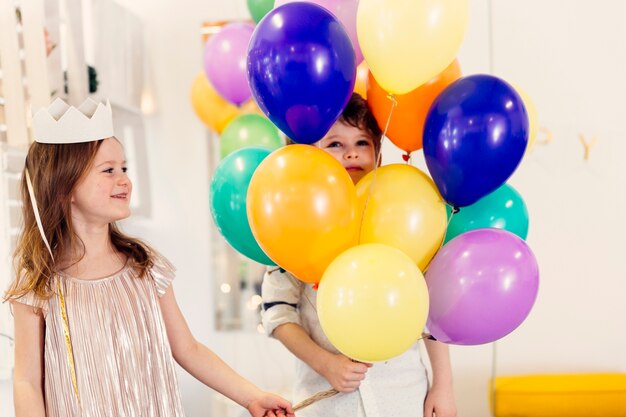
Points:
(62, 123)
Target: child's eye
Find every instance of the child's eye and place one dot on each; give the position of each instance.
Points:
(333, 145)
(108, 170)
(363, 142)
(124, 169)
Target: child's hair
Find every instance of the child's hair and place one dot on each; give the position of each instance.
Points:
(358, 114)
(55, 171)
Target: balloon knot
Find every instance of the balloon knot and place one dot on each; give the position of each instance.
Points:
(455, 210)
(406, 157)
(316, 286)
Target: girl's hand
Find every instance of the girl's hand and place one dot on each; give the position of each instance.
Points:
(270, 405)
(344, 374)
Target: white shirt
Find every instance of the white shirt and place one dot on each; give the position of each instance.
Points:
(394, 388)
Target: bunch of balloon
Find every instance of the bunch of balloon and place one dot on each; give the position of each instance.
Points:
(259, 8)
(373, 299)
(503, 209)
(403, 44)
(210, 107)
(301, 69)
(345, 12)
(482, 286)
(302, 210)
(228, 200)
(406, 126)
(475, 136)
(249, 130)
(372, 302)
(484, 281)
(225, 62)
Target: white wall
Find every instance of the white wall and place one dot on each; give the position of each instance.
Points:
(570, 57)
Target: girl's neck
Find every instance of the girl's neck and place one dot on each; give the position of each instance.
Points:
(96, 257)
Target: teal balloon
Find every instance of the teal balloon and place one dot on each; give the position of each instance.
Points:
(229, 189)
(249, 130)
(502, 209)
(259, 8)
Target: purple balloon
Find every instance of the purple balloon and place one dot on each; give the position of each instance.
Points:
(301, 69)
(345, 12)
(482, 285)
(225, 56)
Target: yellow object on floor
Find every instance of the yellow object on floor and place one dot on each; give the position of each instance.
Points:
(562, 395)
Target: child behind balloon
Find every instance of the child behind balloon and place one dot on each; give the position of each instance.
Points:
(398, 387)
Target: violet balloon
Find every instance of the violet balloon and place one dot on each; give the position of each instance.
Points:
(301, 69)
(225, 62)
(482, 285)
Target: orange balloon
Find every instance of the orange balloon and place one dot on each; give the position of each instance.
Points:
(407, 120)
(404, 210)
(360, 83)
(209, 106)
(302, 210)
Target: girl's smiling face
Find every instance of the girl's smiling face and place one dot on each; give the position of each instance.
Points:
(103, 194)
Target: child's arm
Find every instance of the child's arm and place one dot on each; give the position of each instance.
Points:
(340, 371)
(28, 375)
(208, 368)
(440, 398)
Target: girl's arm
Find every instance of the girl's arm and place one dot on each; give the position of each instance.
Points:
(440, 398)
(208, 368)
(28, 374)
(340, 371)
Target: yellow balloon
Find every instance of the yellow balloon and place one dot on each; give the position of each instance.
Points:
(404, 210)
(532, 116)
(372, 302)
(302, 209)
(210, 107)
(406, 43)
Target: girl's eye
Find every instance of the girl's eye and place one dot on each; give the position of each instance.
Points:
(108, 170)
(124, 169)
(333, 145)
(363, 142)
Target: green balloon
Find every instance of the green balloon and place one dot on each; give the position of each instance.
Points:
(259, 8)
(229, 189)
(502, 209)
(249, 130)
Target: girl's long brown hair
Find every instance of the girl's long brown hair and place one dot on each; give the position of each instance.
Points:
(55, 170)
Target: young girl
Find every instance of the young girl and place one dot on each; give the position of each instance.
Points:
(395, 388)
(97, 326)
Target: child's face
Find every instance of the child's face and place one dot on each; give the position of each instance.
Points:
(352, 147)
(103, 195)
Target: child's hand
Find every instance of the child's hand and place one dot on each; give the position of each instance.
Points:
(270, 405)
(344, 374)
(439, 402)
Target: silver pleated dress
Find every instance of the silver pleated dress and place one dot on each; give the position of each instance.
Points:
(122, 357)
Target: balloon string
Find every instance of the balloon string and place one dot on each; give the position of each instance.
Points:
(378, 161)
(315, 398)
(445, 233)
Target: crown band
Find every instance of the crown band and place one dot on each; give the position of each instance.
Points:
(62, 123)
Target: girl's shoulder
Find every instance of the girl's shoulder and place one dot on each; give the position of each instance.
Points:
(162, 271)
(33, 298)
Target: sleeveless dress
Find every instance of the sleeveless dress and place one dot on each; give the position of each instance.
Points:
(122, 358)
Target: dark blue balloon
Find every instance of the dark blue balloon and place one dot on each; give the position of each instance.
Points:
(301, 69)
(475, 136)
